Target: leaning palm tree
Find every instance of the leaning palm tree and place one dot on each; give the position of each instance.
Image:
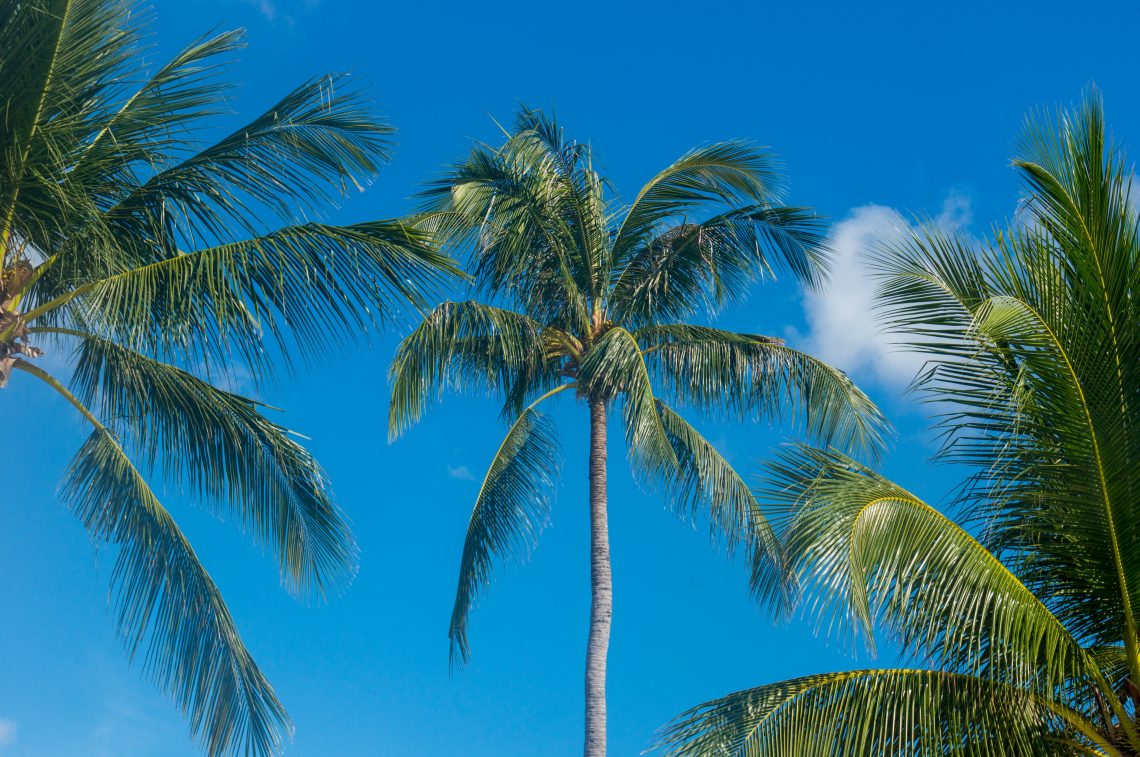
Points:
(162, 264)
(1021, 631)
(583, 298)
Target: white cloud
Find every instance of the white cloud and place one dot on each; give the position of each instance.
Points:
(461, 472)
(7, 732)
(841, 322)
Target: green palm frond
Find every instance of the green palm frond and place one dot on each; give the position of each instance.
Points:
(312, 146)
(140, 131)
(705, 481)
(169, 608)
(511, 508)
(588, 216)
(615, 367)
(911, 713)
(755, 377)
(699, 267)
(733, 174)
(227, 453)
(123, 224)
(516, 211)
(460, 344)
(312, 284)
(864, 550)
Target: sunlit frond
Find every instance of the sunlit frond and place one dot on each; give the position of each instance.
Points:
(895, 713)
(515, 212)
(464, 344)
(725, 174)
(864, 550)
(311, 285)
(312, 146)
(704, 482)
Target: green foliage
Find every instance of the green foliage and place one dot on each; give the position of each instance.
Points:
(1028, 632)
(573, 289)
(166, 262)
(914, 712)
(511, 508)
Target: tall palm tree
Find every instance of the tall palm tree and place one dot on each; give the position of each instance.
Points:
(585, 296)
(1022, 630)
(163, 262)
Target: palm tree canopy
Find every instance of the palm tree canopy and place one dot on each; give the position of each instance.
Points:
(1033, 341)
(166, 262)
(578, 292)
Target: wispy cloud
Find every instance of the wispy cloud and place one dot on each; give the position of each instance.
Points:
(461, 472)
(268, 8)
(8, 731)
(841, 322)
(273, 9)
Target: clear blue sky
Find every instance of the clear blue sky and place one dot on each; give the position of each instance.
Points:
(909, 106)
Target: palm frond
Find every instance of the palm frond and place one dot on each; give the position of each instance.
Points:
(464, 344)
(228, 455)
(911, 713)
(702, 266)
(167, 605)
(754, 377)
(153, 121)
(59, 59)
(615, 367)
(864, 550)
(705, 481)
(588, 220)
(514, 210)
(312, 146)
(304, 286)
(732, 174)
(511, 508)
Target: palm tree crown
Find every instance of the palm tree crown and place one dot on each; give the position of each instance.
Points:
(163, 262)
(1025, 637)
(583, 295)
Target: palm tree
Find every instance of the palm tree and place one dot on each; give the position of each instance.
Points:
(161, 260)
(1022, 630)
(585, 296)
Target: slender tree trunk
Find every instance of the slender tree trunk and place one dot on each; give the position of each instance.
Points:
(601, 587)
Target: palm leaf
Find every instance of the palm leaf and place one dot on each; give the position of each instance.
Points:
(460, 344)
(916, 713)
(615, 367)
(863, 549)
(229, 455)
(731, 173)
(692, 267)
(704, 480)
(511, 508)
(168, 605)
(752, 376)
(313, 284)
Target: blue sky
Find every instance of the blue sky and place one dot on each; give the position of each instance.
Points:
(879, 110)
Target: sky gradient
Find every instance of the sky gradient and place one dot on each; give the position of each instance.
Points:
(879, 113)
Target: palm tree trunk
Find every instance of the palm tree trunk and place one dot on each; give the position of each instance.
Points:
(601, 587)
